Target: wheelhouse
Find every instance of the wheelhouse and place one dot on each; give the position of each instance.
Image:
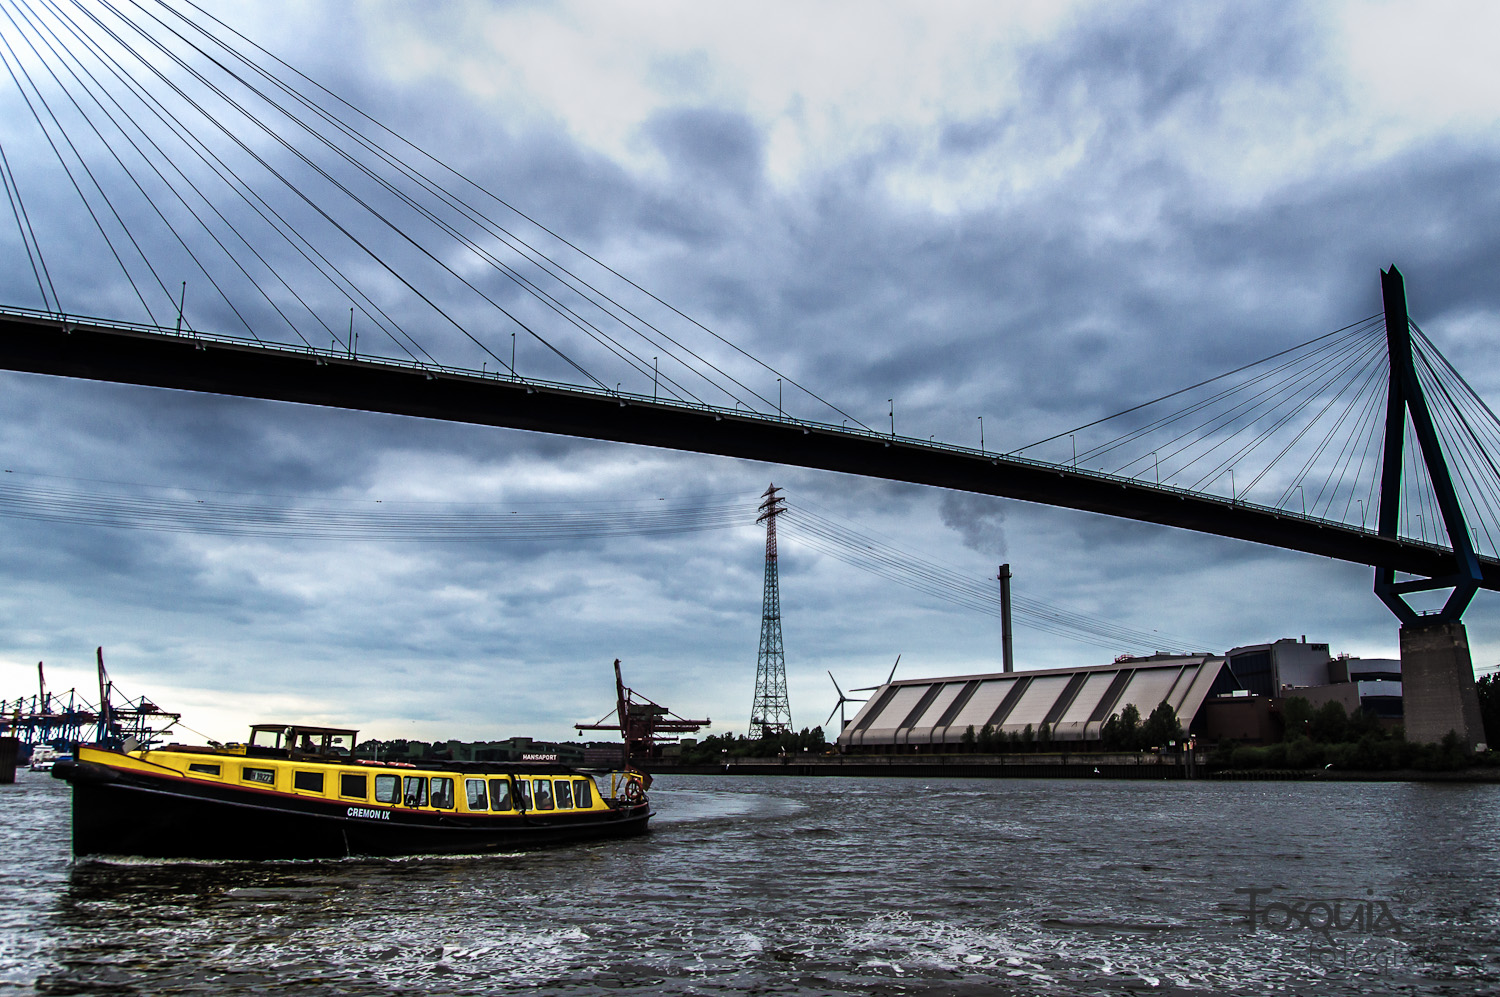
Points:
(300, 741)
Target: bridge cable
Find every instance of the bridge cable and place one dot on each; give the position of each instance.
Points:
(348, 193)
(278, 224)
(1299, 479)
(1367, 398)
(1481, 509)
(1309, 364)
(1294, 388)
(518, 212)
(1335, 348)
(64, 59)
(1191, 387)
(634, 360)
(1290, 398)
(1199, 433)
(113, 67)
(28, 235)
(1466, 448)
(63, 132)
(1372, 424)
(214, 164)
(1486, 416)
(229, 133)
(1369, 368)
(71, 178)
(180, 132)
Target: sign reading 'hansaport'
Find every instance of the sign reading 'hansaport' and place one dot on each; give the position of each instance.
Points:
(538, 758)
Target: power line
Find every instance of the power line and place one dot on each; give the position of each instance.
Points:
(359, 521)
(872, 552)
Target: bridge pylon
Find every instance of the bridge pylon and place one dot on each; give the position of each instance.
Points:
(1437, 672)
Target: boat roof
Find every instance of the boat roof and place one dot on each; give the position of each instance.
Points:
(304, 729)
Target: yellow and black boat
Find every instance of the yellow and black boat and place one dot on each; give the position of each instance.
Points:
(298, 792)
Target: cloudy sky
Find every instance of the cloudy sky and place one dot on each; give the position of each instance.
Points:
(1035, 213)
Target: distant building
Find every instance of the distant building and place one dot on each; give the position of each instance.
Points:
(1262, 669)
(1378, 681)
(517, 749)
(1346, 694)
(1074, 703)
(603, 754)
(594, 754)
(1287, 668)
(1239, 717)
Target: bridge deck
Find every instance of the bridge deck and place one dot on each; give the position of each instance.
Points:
(87, 348)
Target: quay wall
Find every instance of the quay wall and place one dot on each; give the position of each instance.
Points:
(1031, 766)
(1101, 766)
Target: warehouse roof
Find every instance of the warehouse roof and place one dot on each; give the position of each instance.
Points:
(1073, 702)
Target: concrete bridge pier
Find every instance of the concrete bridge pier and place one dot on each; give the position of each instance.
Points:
(1437, 684)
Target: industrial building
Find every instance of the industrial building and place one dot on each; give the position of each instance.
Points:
(1287, 668)
(1262, 669)
(1074, 703)
(1236, 696)
(1378, 681)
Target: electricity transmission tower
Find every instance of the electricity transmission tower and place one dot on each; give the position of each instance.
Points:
(770, 714)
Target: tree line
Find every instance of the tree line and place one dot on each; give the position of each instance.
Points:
(1123, 731)
(717, 748)
(1329, 736)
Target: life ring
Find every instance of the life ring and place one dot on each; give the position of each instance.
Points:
(633, 792)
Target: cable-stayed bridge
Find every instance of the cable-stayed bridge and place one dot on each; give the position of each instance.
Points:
(249, 232)
(49, 344)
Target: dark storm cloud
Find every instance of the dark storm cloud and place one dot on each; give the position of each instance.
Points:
(1141, 62)
(1129, 259)
(708, 149)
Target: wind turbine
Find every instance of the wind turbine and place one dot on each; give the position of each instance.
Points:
(888, 678)
(839, 709)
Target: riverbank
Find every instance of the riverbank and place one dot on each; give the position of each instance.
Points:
(1059, 766)
(965, 766)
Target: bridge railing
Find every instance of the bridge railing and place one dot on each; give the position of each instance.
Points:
(737, 411)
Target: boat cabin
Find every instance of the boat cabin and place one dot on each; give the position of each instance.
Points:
(303, 742)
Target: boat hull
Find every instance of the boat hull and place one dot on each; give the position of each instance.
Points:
(130, 813)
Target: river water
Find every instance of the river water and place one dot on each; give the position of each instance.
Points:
(829, 886)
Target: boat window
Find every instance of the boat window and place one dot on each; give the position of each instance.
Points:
(387, 789)
(414, 790)
(474, 790)
(564, 794)
(523, 794)
(442, 793)
(500, 794)
(582, 789)
(204, 768)
(542, 792)
(267, 776)
(311, 782)
(270, 736)
(353, 784)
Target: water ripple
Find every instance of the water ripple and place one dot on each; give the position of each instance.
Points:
(831, 886)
